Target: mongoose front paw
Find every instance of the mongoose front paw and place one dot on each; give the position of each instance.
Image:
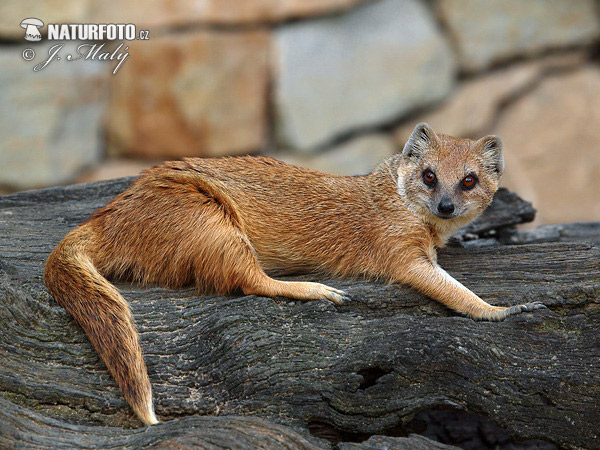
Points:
(496, 313)
(517, 309)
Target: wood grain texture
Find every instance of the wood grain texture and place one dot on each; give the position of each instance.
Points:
(252, 365)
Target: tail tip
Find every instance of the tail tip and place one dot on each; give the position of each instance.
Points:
(147, 415)
(152, 420)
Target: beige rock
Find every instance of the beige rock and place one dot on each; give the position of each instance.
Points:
(473, 106)
(116, 168)
(490, 31)
(552, 146)
(201, 93)
(181, 12)
(161, 13)
(12, 12)
(356, 157)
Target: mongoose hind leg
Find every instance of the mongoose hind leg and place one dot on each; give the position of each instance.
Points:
(301, 290)
(255, 281)
(233, 264)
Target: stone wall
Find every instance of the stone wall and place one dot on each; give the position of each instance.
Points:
(334, 85)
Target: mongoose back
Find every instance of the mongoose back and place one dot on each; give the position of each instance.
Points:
(225, 224)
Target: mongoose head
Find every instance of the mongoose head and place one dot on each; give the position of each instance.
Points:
(448, 180)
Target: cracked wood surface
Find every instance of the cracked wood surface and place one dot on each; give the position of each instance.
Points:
(364, 368)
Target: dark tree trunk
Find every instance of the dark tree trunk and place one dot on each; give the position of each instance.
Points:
(257, 371)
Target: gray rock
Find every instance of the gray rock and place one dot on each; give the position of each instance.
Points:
(355, 70)
(358, 156)
(483, 242)
(49, 120)
(545, 233)
(565, 232)
(489, 31)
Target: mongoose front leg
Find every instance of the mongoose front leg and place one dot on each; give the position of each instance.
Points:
(430, 279)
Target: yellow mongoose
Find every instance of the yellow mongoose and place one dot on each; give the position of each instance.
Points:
(223, 224)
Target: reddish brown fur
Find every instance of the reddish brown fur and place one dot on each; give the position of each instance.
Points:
(222, 223)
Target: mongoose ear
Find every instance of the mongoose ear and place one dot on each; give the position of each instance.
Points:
(491, 149)
(419, 140)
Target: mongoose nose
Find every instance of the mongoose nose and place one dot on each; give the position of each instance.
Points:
(446, 207)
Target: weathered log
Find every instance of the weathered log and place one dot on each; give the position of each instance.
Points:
(413, 442)
(20, 427)
(353, 371)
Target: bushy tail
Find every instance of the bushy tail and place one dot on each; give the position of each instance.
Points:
(103, 314)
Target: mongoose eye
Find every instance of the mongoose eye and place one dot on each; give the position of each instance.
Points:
(429, 178)
(469, 182)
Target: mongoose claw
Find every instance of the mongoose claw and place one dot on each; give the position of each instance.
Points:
(337, 296)
(532, 306)
(526, 307)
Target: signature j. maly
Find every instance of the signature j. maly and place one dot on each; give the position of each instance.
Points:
(93, 52)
